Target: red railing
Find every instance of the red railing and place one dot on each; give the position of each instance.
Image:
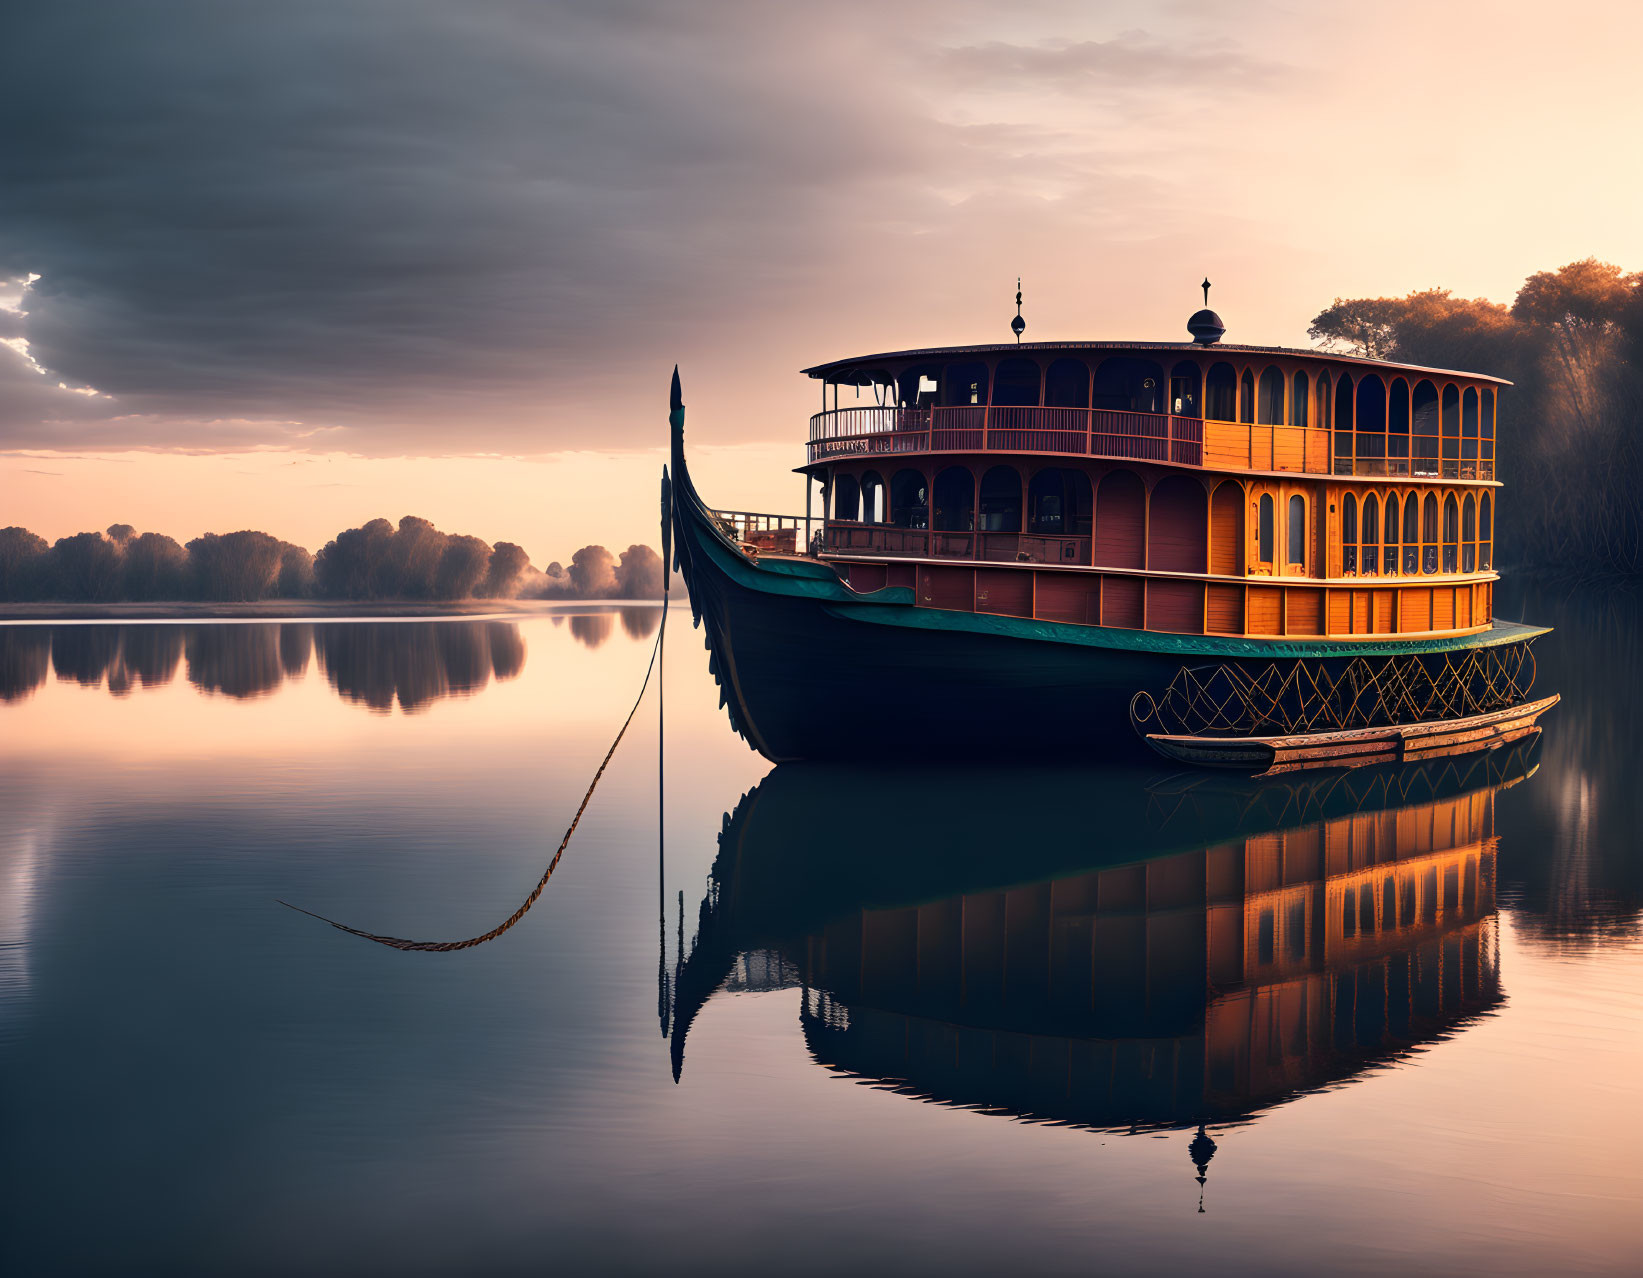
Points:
(989, 547)
(971, 428)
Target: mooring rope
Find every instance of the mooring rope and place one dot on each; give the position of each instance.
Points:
(445, 947)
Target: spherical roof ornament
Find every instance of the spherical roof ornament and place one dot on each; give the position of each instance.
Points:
(1018, 325)
(1205, 325)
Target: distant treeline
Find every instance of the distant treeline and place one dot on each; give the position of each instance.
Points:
(374, 562)
(1568, 450)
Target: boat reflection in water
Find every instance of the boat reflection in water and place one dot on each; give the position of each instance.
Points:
(1115, 950)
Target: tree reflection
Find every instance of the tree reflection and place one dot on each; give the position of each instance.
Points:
(237, 661)
(413, 664)
(640, 623)
(591, 628)
(378, 664)
(25, 657)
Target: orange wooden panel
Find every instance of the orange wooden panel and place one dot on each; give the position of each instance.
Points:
(1226, 535)
(1226, 446)
(1120, 521)
(1443, 608)
(952, 588)
(1340, 612)
(1176, 606)
(1288, 450)
(1121, 602)
(1224, 609)
(1265, 610)
(1385, 606)
(1007, 591)
(1463, 608)
(1305, 612)
(1361, 612)
(1064, 596)
(1177, 531)
(1415, 609)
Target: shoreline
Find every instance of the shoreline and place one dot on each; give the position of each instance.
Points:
(309, 609)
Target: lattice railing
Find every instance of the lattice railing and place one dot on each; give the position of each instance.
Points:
(1283, 698)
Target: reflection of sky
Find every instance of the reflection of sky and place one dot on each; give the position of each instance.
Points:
(239, 1088)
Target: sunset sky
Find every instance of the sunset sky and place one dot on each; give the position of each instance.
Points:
(295, 266)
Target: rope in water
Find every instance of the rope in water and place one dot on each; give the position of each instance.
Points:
(445, 947)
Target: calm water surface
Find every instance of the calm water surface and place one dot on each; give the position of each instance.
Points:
(916, 1019)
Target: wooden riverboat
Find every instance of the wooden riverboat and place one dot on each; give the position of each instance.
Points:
(1253, 556)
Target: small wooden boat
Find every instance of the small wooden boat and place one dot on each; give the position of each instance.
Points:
(1254, 557)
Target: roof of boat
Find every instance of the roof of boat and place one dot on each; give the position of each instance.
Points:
(1197, 348)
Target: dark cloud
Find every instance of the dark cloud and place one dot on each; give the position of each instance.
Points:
(397, 225)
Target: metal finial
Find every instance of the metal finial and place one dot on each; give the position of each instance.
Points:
(1206, 290)
(1018, 325)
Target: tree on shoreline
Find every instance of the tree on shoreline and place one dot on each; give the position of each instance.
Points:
(375, 561)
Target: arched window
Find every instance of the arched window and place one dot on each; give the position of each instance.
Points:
(1451, 534)
(1298, 400)
(1469, 434)
(1397, 427)
(872, 497)
(1297, 531)
(1349, 535)
(1343, 426)
(1450, 467)
(1067, 384)
(909, 500)
(1326, 403)
(1058, 503)
(1469, 535)
(1264, 530)
(1371, 534)
(916, 387)
(1370, 426)
(964, 383)
(1015, 384)
(1178, 525)
(1270, 410)
(1246, 397)
(1128, 384)
(1185, 399)
(1001, 499)
(1412, 534)
(1424, 429)
(1429, 534)
(955, 500)
(1486, 449)
(846, 497)
(1486, 532)
(1221, 394)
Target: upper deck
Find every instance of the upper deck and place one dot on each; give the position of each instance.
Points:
(1252, 409)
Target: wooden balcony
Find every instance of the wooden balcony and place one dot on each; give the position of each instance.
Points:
(1107, 433)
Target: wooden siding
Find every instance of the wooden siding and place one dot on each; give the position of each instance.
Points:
(1004, 591)
(1265, 610)
(1226, 541)
(1121, 521)
(1122, 602)
(1176, 531)
(1176, 607)
(1063, 596)
(1304, 611)
(1224, 609)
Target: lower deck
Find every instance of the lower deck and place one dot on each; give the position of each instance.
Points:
(1183, 604)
